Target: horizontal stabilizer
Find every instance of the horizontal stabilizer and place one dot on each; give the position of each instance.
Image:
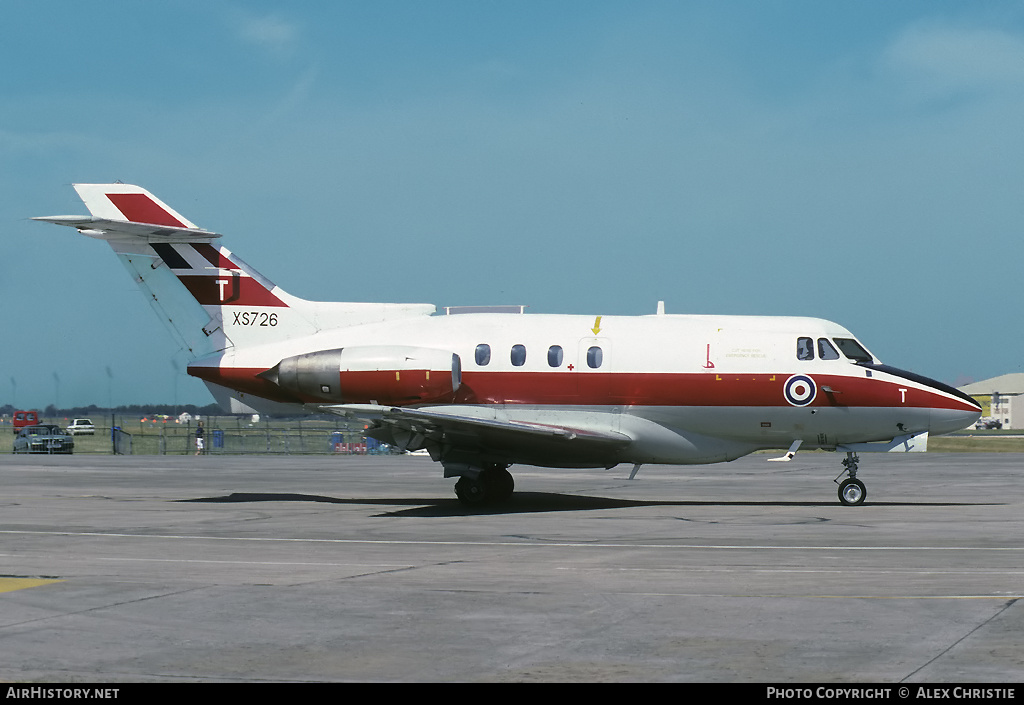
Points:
(107, 229)
(128, 212)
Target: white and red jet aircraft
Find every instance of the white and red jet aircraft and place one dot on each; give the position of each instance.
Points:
(482, 391)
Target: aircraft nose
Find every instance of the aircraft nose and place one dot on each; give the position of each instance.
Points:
(951, 413)
(949, 408)
(949, 420)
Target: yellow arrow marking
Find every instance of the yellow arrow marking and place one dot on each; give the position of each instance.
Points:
(597, 325)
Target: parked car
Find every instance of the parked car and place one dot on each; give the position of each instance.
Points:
(44, 438)
(21, 419)
(81, 427)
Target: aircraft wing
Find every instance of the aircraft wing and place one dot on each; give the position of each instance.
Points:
(454, 435)
(102, 227)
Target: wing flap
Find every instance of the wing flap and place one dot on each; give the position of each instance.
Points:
(451, 433)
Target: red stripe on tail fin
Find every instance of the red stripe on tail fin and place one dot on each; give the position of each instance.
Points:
(229, 290)
(140, 208)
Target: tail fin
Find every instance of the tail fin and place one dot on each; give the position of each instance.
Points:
(211, 300)
(120, 203)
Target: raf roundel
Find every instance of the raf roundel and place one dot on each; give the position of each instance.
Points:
(800, 390)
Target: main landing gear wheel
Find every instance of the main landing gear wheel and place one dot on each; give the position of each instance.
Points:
(852, 492)
(493, 484)
(500, 484)
(470, 491)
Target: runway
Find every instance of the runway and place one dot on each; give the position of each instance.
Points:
(364, 568)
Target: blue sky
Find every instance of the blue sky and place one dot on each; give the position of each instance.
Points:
(858, 161)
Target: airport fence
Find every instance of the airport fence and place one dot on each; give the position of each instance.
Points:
(225, 435)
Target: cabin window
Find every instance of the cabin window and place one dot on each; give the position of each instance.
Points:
(595, 356)
(518, 355)
(826, 351)
(804, 349)
(483, 354)
(852, 349)
(555, 356)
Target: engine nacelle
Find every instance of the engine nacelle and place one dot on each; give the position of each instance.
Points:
(382, 374)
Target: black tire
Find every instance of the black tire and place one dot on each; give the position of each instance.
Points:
(852, 492)
(499, 482)
(472, 493)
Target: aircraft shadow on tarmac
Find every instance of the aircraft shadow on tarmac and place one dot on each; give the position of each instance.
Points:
(531, 502)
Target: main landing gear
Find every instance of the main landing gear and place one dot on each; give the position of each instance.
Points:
(851, 490)
(492, 484)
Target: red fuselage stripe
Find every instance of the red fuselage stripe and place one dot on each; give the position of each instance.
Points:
(626, 388)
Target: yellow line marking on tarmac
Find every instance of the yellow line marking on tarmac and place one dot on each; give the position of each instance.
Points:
(12, 584)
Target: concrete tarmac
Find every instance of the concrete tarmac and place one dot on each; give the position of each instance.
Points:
(347, 568)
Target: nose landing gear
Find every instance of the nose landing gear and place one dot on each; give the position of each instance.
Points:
(851, 490)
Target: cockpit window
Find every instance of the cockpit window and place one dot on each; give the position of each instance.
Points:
(804, 349)
(826, 351)
(852, 349)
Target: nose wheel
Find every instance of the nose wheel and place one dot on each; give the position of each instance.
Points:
(851, 490)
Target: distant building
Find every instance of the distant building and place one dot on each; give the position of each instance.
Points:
(1001, 398)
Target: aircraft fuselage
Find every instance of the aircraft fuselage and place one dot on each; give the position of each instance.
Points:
(687, 389)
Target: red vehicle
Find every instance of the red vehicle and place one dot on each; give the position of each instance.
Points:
(25, 418)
